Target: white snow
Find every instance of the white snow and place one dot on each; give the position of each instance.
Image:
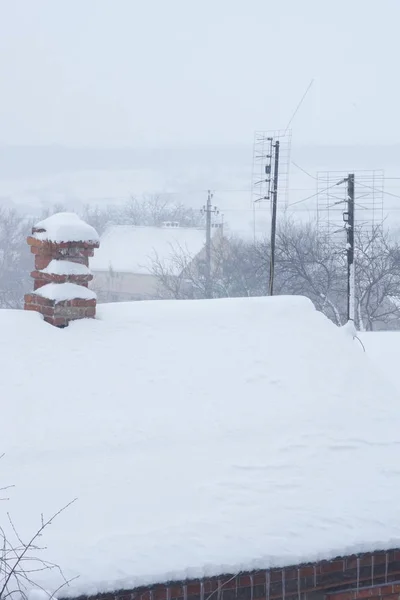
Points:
(349, 329)
(65, 291)
(38, 594)
(129, 249)
(66, 267)
(65, 227)
(384, 349)
(199, 437)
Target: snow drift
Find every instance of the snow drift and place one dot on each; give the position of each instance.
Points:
(200, 437)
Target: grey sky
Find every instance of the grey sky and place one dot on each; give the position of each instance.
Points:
(162, 72)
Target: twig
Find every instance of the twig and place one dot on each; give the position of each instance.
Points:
(30, 545)
(357, 338)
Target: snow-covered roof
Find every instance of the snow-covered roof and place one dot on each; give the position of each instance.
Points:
(130, 249)
(200, 437)
(65, 227)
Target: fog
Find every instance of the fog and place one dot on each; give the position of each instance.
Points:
(128, 72)
(113, 98)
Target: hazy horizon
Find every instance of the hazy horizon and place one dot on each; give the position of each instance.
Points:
(106, 99)
(100, 73)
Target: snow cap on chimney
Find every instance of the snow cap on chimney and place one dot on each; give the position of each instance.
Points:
(62, 245)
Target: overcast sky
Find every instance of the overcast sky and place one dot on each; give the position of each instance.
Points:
(178, 72)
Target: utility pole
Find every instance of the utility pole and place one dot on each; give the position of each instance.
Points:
(273, 219)
(208, 210)
(349, 219)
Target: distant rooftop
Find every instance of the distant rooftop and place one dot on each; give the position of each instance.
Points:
(132, 249)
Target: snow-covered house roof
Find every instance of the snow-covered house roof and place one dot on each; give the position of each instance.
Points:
(200, 437)
(131, 249)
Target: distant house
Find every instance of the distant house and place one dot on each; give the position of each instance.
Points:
(122, 267)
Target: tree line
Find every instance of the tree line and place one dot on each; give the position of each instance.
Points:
(309, 261)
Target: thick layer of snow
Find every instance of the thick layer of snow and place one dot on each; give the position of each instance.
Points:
(66, 267)
(128, 249)
(383, 347)
(66, 227)
(199, 437)
(65, 291)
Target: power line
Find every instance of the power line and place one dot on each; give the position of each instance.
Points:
(375, 189)
(299, 105)
(313, 195)
(304, 171)
(242, 190)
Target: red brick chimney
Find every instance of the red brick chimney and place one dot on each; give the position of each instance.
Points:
(62, 245)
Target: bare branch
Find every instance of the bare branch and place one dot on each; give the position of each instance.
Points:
(13, 573)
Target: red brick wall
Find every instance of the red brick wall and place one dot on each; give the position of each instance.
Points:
(377, 592)
(60, 313)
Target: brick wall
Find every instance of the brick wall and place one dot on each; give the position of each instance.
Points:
(60, 313)
(390, 591)
(350, 575)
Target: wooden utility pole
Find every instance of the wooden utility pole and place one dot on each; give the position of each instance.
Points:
(208, 210)
(273, 220)
(350, 248)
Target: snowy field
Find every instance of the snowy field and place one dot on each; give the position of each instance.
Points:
(199, 437)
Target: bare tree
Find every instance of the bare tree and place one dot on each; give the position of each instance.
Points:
(180, 276)
(313, 264)
(149, 210)
(153, 210)
(51, 209)
(234, 271)
(14, 258)
(243, 268)
(101, 217)
(309, 264)
(20, 561)
(377, 260)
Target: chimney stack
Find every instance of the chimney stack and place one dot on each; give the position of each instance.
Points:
(62, 245)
